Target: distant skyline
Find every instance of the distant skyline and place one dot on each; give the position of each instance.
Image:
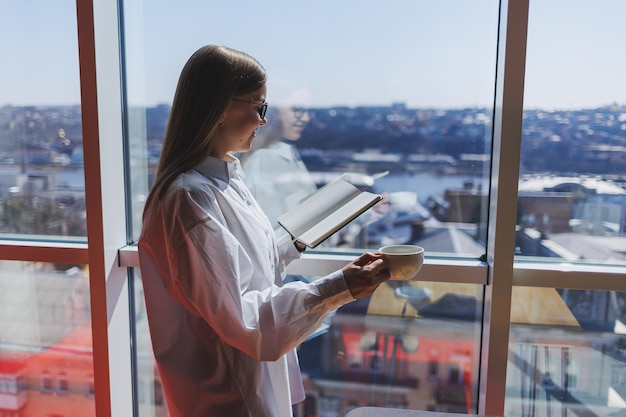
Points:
(423, 53)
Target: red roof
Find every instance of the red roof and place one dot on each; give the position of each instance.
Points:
(11, 366)
(75, 347)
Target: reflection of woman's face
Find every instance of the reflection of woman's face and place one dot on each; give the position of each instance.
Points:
(294, 120)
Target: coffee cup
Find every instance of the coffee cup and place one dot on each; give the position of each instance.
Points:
(403, 261)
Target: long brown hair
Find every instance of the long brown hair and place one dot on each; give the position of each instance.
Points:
(212, 76)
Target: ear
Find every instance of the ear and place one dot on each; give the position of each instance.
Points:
(222, 118)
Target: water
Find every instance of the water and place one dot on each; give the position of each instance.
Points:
(425, 185)
(73, 179)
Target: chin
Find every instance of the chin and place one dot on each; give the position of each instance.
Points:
(245, 147)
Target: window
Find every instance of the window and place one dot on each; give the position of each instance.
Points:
(21, 383)
(433, 364)
(390, 102)
(63, 385)
(570, 209)
(457, 162)
(46, 382)
(158, 393)
(89, 387)
(433, 368)
(42, 187)
(11, 385)
(572, 204)
(44, 286)
(454, 374)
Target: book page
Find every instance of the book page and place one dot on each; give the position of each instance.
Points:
(339, 218)
(317, 207)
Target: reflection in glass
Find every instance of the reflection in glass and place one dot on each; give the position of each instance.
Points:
(275, 173)
(46, 355)
(411, 345)
(566, 353)
(572, 190)
(149, 392)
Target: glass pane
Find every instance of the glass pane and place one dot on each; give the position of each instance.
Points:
(403, 87)
(411, 345)
(572, 191)
(46, 355)
(567, 353)
(149, 393)
(42, 187)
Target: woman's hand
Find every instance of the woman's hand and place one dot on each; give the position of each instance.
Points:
(365, 274)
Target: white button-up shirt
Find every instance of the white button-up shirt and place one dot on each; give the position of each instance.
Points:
(223, 329)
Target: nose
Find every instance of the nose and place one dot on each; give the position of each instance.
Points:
(263, 121)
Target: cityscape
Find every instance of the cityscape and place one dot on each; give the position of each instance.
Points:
(409, 346)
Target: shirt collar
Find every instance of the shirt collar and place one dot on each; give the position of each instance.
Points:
(219, 169)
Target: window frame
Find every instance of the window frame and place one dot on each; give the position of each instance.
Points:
(62, 383)
(46, 383)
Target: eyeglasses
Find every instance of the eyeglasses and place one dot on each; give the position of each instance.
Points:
(299, 112)
(261, 109)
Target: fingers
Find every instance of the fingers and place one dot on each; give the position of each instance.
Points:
(366, 258)
(372, 265)
(375, 266)
(373, 262)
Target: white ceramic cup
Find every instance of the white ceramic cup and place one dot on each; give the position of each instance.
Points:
(403, 261)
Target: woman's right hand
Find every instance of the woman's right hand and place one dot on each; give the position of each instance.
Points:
(365, 274)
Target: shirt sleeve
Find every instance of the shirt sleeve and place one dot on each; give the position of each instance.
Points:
(212, 276)
(287, 251)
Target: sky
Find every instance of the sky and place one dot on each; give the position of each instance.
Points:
(424, 53)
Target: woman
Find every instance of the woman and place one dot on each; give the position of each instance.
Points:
(223, 328)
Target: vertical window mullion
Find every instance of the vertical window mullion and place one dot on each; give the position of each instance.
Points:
(98, 40)
(503, 203)
(89, 114)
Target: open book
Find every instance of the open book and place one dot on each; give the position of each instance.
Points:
(325, 212)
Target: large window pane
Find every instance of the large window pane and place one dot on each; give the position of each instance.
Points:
(404, 87)
(46, 355)
(411, 345)
(566, 353)
(572, 191)
(41, 163)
